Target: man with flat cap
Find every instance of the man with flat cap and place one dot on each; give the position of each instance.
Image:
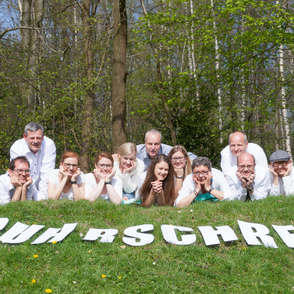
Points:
(281, 175)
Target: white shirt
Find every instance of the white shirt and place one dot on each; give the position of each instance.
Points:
(285, 187)
(53, 178)
(90, 185)
(228, 160)
(262, 184)
(219, 183)
(130, 180)
(7, 190)
(41, 163)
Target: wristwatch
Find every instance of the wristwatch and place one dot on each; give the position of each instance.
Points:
(210, 190)
(108, 183)
(73, 182)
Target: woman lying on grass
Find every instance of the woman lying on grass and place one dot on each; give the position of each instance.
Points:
(128, 168)
(68, 181)
(159, 184)
(182, 165)
(102, 182)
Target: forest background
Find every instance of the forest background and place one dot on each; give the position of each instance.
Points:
(97, 73)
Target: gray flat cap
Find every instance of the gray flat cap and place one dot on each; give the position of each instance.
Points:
(280, 155)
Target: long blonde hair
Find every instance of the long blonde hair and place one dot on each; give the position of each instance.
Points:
(181, 148)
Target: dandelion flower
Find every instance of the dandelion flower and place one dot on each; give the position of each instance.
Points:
(35, 256)
(90, 251)
(48, 291)
(103, 276)
(244, 248)
(54, 242)
(33, 281)
(119, 277)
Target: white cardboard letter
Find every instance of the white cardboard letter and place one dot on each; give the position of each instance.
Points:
(107, 235)
(210, 235)
(133, 233)
(169, 235)
(3, 222)
(20, 232)
(261, 232)
(57, 234)
(286, 236)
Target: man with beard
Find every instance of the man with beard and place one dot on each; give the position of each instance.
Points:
(281, 175)
(247, 180)
(205, 183)
(40, 152)
(16, 184)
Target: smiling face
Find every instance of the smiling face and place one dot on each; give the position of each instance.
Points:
(104, 166)
(280, 167)
(178, 160)
(34, 140)
(161, 170)
(70, 165)
(127, 161)
(246, 165)
(152, 143)
(200, 174)
(237, 144)
(21, 171)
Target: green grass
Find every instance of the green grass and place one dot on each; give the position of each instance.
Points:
(76, 266)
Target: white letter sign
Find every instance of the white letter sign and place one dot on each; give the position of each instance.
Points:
(133, 233)
(169, 235)
(285, 235)
(107, 235)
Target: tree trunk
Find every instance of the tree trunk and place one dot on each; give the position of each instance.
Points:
(89, 88)
(119, 74)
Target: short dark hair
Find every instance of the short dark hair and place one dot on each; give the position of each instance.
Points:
(21, 159)
(33, 127)
(201, 160)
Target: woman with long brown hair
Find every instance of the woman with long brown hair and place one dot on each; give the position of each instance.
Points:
(182, 165)
(159, 184)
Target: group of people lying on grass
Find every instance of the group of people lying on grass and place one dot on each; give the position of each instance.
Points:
(150, 173)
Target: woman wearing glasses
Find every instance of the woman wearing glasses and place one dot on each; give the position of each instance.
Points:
(181, 163)
(205, 183)
(68, 181)
(128, 168)
(102, 181)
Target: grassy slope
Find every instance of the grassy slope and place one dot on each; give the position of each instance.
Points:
(76, 266)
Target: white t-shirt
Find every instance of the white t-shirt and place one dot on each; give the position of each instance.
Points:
(285, 187)
(130, 180)
(53, 178)
(90, 185)
(228, 160)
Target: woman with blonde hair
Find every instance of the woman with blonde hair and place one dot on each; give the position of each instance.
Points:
(128, 168)
(158, 186)
(68, 181)
(182, 165)
(102, 182)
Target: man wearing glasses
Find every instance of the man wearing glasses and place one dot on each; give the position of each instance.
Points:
(247, 180)
(40, 152)
(205, 183)
(281, 174)
(16, 184)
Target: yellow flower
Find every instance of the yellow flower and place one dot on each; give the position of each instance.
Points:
(54, 242)
(34, 223)
(103, 276)
(35, 256)
(33, 281)
(89, 251)
(119, 277)
(244, 248)
(48, 291)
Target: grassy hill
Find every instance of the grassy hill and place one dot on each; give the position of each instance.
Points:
(76, 266)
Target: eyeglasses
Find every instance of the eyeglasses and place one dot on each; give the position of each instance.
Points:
(282, 163)
(21, 171)
(105, 166)
(68, 165)
(246, 166)
(178, 158)
(204, 173)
